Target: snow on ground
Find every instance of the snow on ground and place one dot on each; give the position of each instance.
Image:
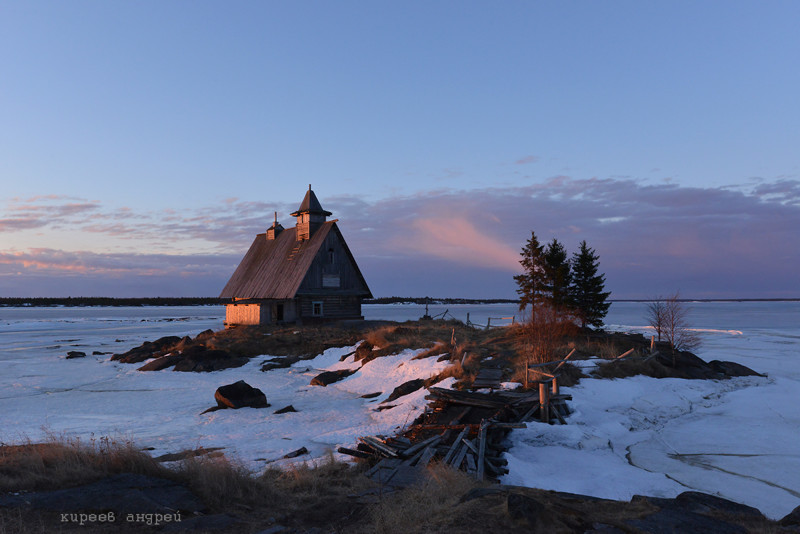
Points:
(93, 397)
(734, 438)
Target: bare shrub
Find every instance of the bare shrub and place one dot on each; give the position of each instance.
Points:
(669, 317)
(539, 339)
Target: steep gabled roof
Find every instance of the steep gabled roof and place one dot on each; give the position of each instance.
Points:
(275, 269)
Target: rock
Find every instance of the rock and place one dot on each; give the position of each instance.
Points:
(703, 503)
(529, 513)
(675, 519)
(792, 519)
(329, 377)
(371, 395)
(205, 334)
(294, 454)
(404, 389)
(161, 363)
(365, 352)
(99, 353)
(286, 409)
(75, 354)
(732, 369)
(692, 511)
(146, 350)
(123, 494)
(240, 395)
(200, 359)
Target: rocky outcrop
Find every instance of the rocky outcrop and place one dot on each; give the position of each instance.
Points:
(125, 493)
(240, 395)
(75, 354)
(147, 350)
(200, 359)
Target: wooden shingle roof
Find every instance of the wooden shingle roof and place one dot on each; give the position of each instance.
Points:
(275, 269)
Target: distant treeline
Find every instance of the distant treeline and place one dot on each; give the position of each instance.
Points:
(111, 301)
(429, 300)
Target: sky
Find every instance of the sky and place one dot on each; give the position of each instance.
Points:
(144, 144)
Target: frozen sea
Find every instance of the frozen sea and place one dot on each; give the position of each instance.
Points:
(737, 438)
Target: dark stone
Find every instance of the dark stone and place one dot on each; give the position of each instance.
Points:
(198, 358)
(147, 350)
(732, 368)
(404, 389)
(286, 409)
(364, 352)
(529, 513)
(123, 494)
(161, 363)
(703, 503)
(205, 334)
(99, 353)
(371, 395)
(299, 452)
(792, 519)
(329, 377)
(240, 395)
(675, 519)
(75, 354)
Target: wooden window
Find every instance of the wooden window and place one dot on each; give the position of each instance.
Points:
(316, 309)
(330, 256)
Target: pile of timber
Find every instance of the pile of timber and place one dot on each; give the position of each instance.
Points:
(463, 429)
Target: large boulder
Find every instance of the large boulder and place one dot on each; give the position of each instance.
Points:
(161, 363)
(240, 395)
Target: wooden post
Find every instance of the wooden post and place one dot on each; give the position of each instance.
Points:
(652, 344)
(555, 385)
(467, 318)
(489, 324)
(544, 402)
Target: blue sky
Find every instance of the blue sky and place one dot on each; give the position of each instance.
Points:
(145, 143)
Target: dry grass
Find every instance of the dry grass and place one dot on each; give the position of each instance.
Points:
(62, 462)
(423, 508)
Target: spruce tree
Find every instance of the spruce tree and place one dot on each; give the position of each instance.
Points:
(557, 274)
(587, 294)
(531, 282)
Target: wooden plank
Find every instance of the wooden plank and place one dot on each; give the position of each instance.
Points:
(378, 446)
(529, 413)
(471, 446)
(421, 445)
(564, 361)
(475, 426)
(455, 445)
(351, 452)
(481, 449)
(459, 458)
(427, 454)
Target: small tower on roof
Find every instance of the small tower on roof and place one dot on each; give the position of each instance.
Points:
(310, 216)
(275, 229)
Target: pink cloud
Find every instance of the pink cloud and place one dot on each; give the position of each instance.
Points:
(458, 240)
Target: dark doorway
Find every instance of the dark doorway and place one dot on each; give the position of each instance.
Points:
(279, 312)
